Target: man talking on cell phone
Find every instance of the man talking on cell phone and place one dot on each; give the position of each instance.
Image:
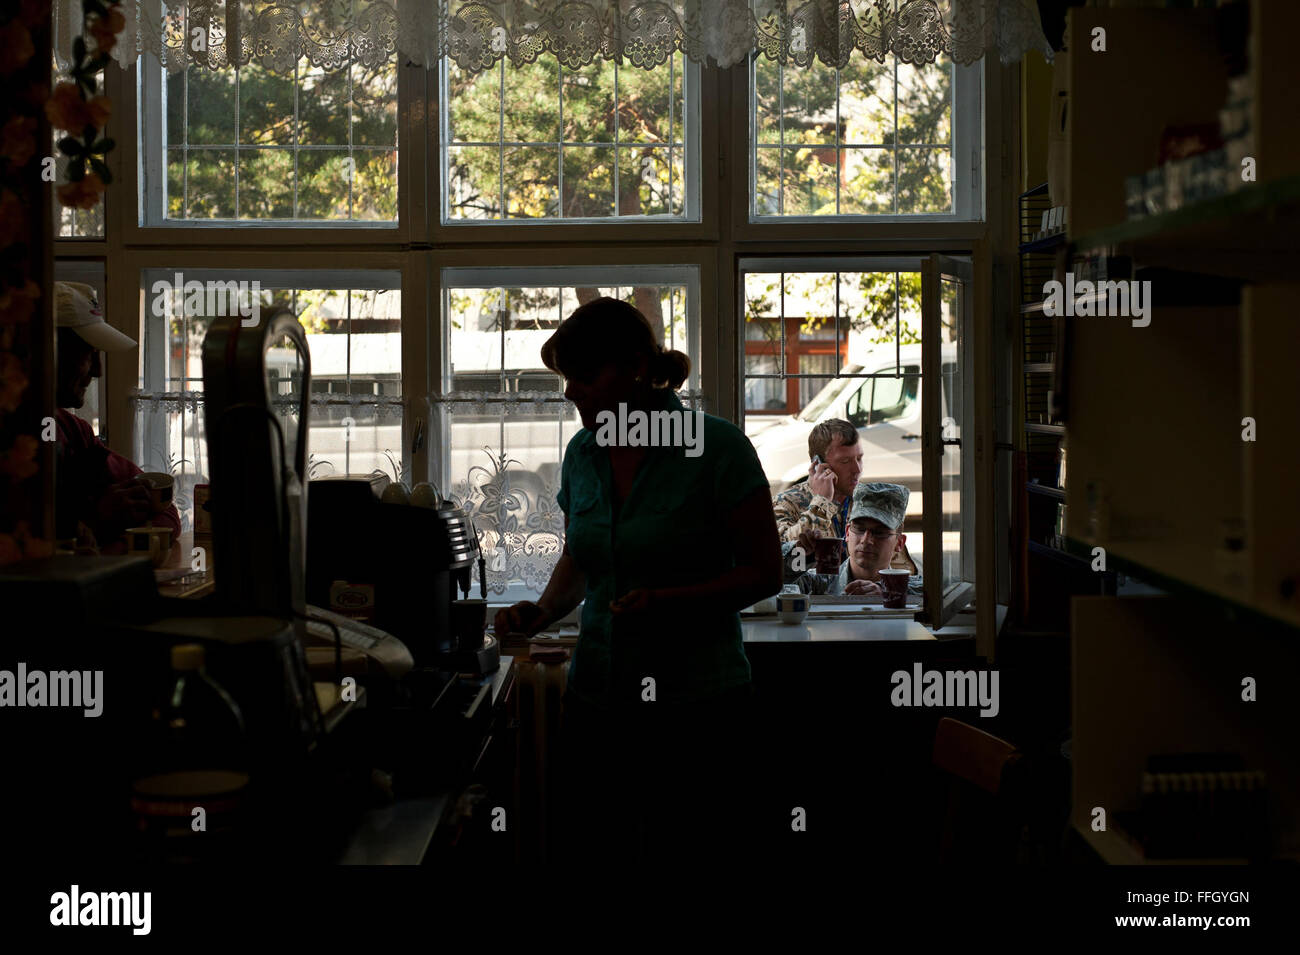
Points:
(819, 506)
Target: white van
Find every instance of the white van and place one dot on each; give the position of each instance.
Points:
(886, 412)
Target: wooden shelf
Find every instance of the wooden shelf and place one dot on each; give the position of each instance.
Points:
(1167, 568)
(1046, 491)
(1240, 235)
(1039, 367)
(1046, 244)
(1044, 428)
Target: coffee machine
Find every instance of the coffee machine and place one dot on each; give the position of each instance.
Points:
(399, 567)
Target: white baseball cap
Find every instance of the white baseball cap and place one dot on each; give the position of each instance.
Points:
(75, 307)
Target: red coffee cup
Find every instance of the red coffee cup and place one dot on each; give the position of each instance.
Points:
(829, 552)
(894, 584)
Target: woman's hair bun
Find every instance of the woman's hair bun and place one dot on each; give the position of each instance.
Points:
(670, 367)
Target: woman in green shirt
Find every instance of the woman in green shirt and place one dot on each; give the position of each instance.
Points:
(669, 533)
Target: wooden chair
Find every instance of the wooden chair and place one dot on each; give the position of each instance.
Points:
(985, 811)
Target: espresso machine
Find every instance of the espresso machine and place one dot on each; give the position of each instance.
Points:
(400, 568)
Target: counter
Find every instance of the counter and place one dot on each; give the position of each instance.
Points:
(402, 832)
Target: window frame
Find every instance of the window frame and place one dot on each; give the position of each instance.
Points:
(146, 100)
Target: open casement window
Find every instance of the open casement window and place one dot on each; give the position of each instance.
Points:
(948, 437)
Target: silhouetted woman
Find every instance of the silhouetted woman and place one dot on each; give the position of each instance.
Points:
(666, 544)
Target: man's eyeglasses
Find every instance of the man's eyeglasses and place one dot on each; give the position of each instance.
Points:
(880, 535)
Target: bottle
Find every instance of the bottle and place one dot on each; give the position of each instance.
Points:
(190, 790)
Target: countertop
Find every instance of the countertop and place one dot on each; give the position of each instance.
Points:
(820, 627)
(401, 832)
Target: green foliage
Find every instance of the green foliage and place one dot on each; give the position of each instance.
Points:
(287, 139)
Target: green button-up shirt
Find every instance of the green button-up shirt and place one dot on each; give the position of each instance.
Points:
(671, 531)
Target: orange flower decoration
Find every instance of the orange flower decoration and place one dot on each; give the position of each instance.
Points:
(19, 462)
(100, 108)
(66, 109)
(106, 29)
(18, 141)
(81, 195)
(15, 47)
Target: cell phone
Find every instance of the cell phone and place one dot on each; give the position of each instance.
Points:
(817, 459)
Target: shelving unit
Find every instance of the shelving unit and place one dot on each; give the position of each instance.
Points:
(1161, 476)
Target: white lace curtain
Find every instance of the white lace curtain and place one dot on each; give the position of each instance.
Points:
(478, 33)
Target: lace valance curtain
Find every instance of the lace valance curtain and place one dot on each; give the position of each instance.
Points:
(476, 34)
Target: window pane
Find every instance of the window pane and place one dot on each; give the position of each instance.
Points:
(474, 187)
(266, 106)
(925, 103)
(323, 187)
(924, 180)
(532, 181)
(323, 108)
(475, 105)
(588, 107)
(211, 101)
(810, 105)
(532, 113)
(333, 135)
(588, 181)
(266, 183)
(868, 139)
(619, 131)
(353, 337)
(650, 180)
(810, 181)
(210, 184)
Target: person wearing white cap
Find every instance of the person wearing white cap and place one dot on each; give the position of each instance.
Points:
(99, 491)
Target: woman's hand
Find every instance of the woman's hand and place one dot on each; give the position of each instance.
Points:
(527, 618)
(634, 601)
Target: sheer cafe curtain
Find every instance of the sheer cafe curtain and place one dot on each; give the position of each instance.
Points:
(476, 34)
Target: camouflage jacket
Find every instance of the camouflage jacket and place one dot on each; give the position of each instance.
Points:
(798, 509)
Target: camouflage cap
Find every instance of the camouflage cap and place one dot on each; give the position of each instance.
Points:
(886, 503)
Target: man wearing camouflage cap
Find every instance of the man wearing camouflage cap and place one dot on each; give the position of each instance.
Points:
(874, 537)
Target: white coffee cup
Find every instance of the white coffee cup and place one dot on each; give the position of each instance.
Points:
(792, 607)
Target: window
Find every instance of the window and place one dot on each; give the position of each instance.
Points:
(543, 142)
(353, 325)
(505, 422)
(641, 165)
(305, 147)
(868, 314)
(868, 139)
